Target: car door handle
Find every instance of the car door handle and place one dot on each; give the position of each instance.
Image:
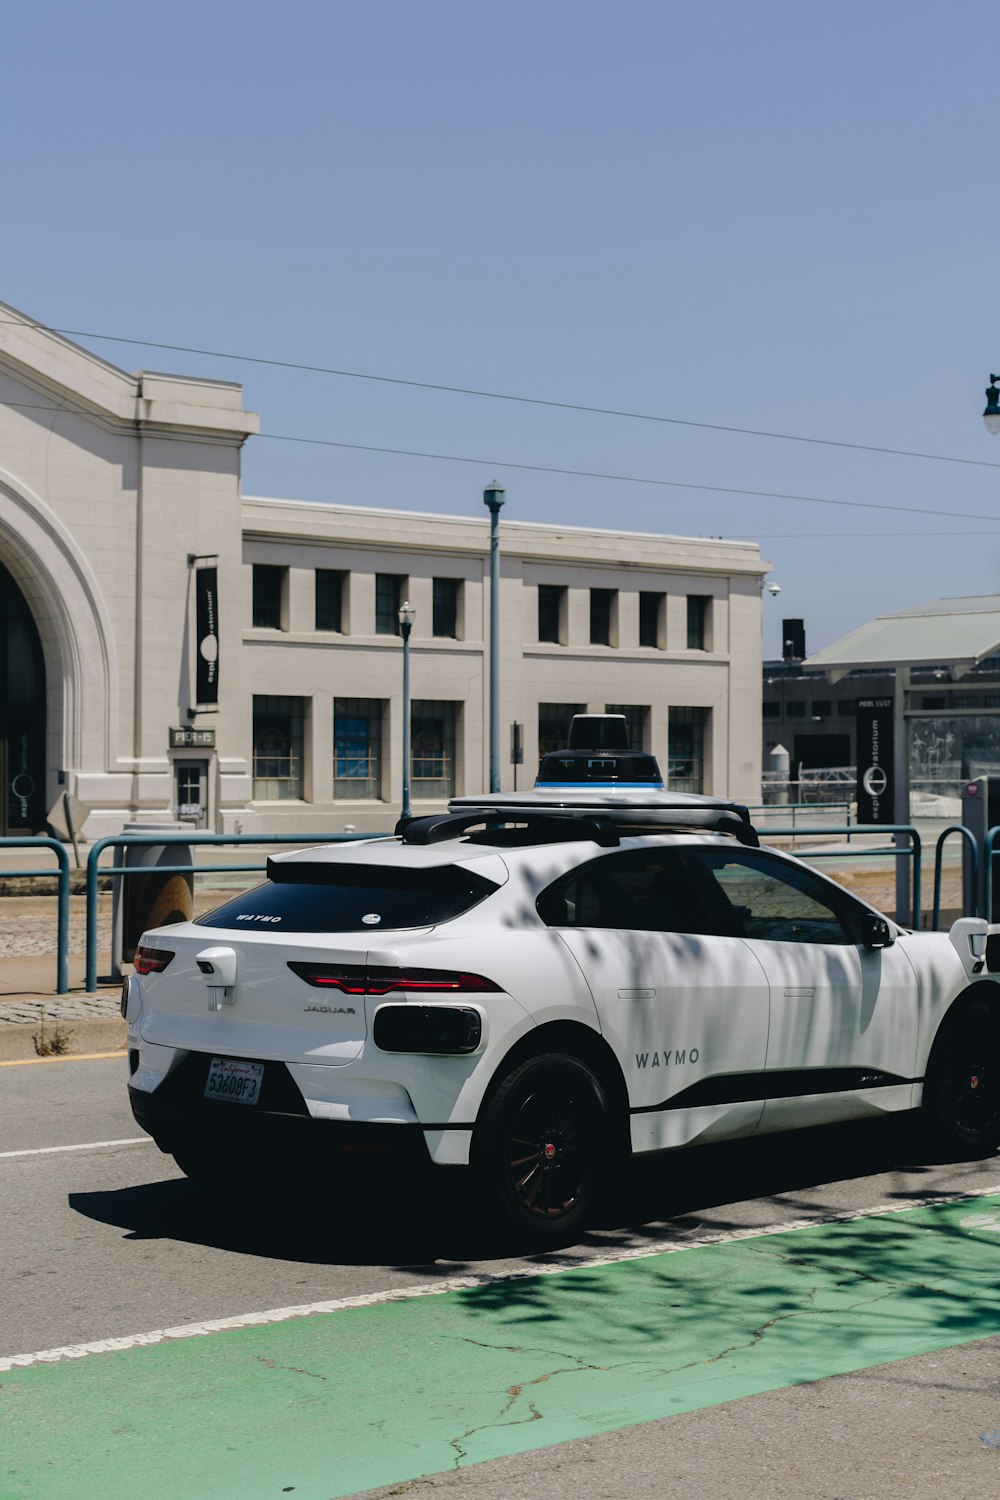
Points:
(637, 994)
(806, 992)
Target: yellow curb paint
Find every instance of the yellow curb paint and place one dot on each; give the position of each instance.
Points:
(27, 1062)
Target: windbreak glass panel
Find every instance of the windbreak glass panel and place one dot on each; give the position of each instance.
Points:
(351, 898)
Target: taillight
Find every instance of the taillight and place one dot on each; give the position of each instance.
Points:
(349, 979)
(377, 979)
(151, 960)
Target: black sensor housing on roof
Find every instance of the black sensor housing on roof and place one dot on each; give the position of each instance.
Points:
(598, 732)
(598, 750)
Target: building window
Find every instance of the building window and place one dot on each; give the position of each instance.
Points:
(551, 610)
(686, 749)
(936, 700)
(268, 596)
(636, 719)
(388, 597)
(602, 609)
(698, 619)
(445, 607)
(772, 710)
(329, 599)
(795, 710)
(277, 748)
(821, 708)
(357, 748)
(432, 755)
(553, 724)
(651, 612)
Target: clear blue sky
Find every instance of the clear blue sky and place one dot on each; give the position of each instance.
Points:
(767, 213)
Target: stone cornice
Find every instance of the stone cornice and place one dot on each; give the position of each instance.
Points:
(312, 521)
(145, 401)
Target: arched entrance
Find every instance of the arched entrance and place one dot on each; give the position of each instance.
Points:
(22, 714)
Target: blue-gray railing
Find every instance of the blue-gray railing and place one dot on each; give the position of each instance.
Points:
(912, 853)
(62, 910)
(155, 841)
(795, 808)
(970, 839)
(61, 874)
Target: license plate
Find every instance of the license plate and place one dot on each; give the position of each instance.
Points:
(233, 1082)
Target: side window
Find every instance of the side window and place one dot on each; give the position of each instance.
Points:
(644, 890)
(780, 902)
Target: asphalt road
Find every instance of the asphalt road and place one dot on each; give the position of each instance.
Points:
(110, 1241)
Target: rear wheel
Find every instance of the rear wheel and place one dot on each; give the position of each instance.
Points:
(541, 1154)
(962, 1087)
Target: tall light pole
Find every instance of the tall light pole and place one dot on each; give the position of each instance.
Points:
(407, 615)
(494, 496)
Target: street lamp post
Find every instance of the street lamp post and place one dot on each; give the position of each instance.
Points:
(493, 498)
(407, 615)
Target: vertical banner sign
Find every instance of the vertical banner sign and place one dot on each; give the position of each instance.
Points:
(207, 630)
(876, 792)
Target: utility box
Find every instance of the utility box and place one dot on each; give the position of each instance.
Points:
(980, 812)
(149, 900)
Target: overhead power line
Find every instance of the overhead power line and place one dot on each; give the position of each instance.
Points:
(678, 484)
(461, 390)
(841, 536)
(504, 463)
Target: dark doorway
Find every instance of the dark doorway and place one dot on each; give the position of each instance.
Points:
(22, 714)
(817, 751)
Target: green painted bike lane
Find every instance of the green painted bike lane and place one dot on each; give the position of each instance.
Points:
(328, 1405)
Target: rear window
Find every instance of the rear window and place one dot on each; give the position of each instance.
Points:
(302, 897)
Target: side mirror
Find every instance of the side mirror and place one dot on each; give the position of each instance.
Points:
(970, 937)
(876, 932)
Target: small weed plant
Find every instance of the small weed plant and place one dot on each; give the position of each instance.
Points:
(53, 1042)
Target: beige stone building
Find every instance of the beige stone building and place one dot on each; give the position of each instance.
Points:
(171, 647)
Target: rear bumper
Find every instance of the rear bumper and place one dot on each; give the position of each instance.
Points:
(178, 1117)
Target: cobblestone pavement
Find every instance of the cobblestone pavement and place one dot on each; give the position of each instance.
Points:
(58, 1008)
(33, 935)
(30, 935)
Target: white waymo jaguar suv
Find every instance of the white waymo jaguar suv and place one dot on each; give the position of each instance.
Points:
(532, 988)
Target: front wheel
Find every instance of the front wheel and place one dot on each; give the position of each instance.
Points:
(541, 1152)
(962, 1087)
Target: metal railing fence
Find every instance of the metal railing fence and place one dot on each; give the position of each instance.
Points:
(62, 910)
(795, 810)
(942, 838)
(123, 841)
(857, 851)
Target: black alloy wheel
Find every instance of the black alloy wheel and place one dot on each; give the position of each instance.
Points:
(543, 1152)
(962, 1089)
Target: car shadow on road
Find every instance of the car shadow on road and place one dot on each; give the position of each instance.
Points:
(427, 1220)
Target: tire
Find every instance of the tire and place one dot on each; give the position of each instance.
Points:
(962, 1086)
(541, 1156)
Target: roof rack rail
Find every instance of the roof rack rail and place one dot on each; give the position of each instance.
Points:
(437, 827)
(628, 812)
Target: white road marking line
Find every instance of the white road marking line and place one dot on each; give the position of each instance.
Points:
(132, 1140)
(550, 1267)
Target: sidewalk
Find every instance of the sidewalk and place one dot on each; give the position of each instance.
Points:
(33, 1018)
